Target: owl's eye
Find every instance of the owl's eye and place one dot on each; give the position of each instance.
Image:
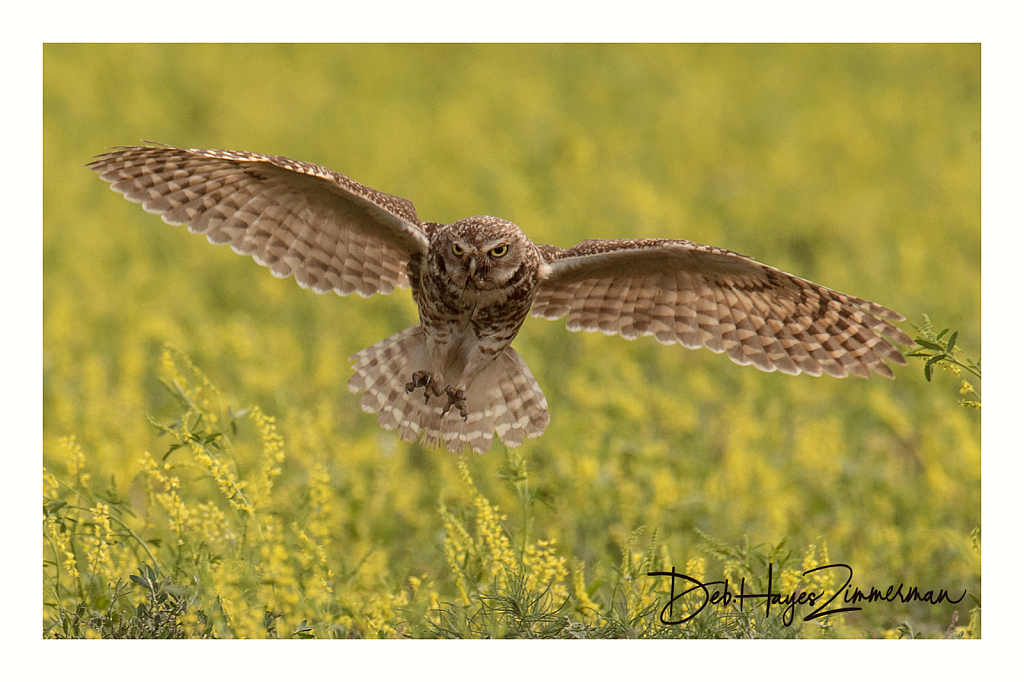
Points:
(499, 251)
(456, 249)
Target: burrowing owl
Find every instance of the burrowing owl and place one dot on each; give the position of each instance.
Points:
(454, 377)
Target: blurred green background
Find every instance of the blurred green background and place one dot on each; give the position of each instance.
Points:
(855, 166)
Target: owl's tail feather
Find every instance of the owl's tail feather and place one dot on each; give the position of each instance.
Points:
(503, 399)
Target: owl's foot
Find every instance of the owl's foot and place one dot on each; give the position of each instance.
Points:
(456, 398)
(428, 382)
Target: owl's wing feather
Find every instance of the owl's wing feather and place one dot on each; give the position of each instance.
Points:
(296, 218)
(695, 295)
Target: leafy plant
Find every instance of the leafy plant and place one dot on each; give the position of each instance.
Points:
(938, 351)
(167, 612)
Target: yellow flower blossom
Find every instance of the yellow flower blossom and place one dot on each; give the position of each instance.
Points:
(163, 490)
(201, 395)
(579, 590)
(75, 460)
(98, 543)
(61, 540)
(273, 455)
(546, 570)
(50, 484)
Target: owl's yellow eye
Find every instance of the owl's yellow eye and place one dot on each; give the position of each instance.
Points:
(499, 251)
(456, 249)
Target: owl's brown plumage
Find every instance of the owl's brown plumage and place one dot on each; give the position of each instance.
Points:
(454, 378)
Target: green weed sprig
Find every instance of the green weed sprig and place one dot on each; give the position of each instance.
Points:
(936, 350)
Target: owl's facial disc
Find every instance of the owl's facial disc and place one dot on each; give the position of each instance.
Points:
(483, 252)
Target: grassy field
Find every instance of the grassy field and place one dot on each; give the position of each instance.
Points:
(199, 437)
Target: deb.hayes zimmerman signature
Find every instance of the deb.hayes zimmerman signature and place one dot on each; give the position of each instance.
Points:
(824, 603)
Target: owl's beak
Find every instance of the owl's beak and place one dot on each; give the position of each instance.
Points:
(472, 266)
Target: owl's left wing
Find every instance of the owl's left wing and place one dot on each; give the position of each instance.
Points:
(296, 218)
(682, 292)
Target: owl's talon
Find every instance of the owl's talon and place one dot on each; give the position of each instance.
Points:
(427, 381)
(420, 379)
(456, 398)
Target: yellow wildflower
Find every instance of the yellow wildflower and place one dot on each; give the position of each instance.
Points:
(61, 540)
(75, 460)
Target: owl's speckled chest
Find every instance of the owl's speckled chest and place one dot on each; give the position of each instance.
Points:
(445, 308)
(453, 311)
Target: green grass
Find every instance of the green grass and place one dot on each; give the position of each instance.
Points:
(855, 166)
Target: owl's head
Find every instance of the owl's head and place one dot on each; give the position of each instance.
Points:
(482, 252)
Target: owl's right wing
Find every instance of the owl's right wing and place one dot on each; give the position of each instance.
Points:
(296, 218)
(695, 295)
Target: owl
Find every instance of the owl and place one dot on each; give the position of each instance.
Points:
(454, 378)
